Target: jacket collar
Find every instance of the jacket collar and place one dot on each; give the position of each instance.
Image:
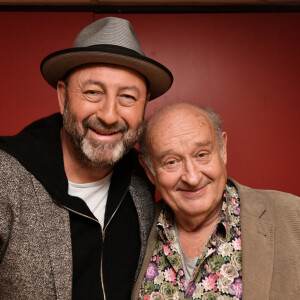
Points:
(38, 148)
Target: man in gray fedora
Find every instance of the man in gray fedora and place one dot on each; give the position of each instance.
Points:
(75, 206)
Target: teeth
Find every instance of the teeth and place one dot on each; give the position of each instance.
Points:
(103, 133)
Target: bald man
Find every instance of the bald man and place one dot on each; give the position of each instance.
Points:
(212, 238)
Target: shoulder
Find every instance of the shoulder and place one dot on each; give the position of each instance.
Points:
(139, 179)
(18, 186)
(141, 190)
(16, 182)
(10, 167)
(265, 195)
(273, 203)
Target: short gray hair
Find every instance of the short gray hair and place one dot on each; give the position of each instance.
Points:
(217, 123)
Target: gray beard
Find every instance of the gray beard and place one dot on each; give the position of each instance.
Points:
(96, 154)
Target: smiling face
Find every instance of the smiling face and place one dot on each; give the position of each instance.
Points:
(103, 109)
(189, 171)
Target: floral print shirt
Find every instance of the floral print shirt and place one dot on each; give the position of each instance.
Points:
(218, 271)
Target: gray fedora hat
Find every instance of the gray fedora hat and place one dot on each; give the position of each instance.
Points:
(111, 41)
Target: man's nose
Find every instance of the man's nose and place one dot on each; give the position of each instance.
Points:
(191, 173)
(108, 110)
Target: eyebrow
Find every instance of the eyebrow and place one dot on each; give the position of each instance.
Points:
(203, 144)
(170, 151)
(100, 83)
(96, 82)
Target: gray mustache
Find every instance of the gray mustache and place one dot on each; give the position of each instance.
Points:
(97, 124)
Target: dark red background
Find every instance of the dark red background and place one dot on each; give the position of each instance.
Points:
(243, 65)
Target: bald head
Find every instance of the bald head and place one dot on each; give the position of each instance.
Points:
(165, 117)
(184, 155)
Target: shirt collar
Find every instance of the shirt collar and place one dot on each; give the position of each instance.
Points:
(230, 206)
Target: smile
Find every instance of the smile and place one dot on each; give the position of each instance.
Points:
(104, 135)
(193, 193)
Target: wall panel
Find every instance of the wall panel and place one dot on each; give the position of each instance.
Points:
(245, 66)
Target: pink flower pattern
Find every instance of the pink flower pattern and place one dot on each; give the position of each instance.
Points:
(218, 269)
(170, 274)
(237, 243)
(209, 282)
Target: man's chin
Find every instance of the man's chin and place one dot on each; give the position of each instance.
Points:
(104, 158)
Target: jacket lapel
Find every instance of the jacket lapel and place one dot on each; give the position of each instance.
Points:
(257, 257)
(257, 246)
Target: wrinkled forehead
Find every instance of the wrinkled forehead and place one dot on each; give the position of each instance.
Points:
(178, 123)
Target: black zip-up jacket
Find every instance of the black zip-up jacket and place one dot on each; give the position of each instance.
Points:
(105, 261)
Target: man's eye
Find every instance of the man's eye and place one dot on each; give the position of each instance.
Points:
(128, 96)
(127, 99)
(171, 164)
(93, 95)
(91, 92)
(204, 156)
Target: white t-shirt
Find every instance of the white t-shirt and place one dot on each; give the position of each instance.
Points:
(94, 195)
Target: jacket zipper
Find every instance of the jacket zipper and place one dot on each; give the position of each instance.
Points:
(102, 231)
(103, 237)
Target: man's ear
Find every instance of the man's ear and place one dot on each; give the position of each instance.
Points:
(148, 97)
(61, 95)
(147, 170)
(224, 147)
